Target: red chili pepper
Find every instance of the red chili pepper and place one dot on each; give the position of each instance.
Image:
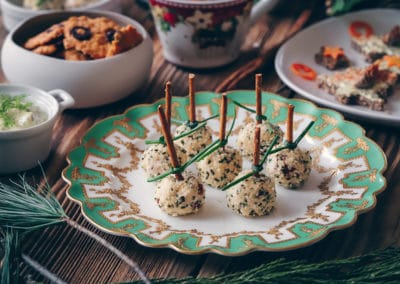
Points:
(303, 71)
(360, 29)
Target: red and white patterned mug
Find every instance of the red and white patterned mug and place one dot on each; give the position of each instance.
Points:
(205, 33)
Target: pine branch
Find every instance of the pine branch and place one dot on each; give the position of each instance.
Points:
(9, 265)
(382, 266)
(23, 209)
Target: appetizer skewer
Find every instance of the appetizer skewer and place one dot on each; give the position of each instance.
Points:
(268, 130)
(155, 159)
(199, 139)
(179, 193)
(255, 195)
(223, 165)
(290, 167)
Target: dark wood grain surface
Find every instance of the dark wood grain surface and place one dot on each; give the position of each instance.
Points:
(75, 258)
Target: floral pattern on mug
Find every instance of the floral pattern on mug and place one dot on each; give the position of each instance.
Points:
(212, 27)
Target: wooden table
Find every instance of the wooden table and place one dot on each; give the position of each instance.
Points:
(75, 258)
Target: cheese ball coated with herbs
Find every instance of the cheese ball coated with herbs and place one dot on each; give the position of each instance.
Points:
(194, 142)
(290, 167)
(180, 197)
(220, 167)
(156, 161)
(245, 139)
(254, 196)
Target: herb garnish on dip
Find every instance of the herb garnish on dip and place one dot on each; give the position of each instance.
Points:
(16, 113)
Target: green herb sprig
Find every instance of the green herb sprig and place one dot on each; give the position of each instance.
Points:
(7, 103)
(256, 169)
(293, 145)
(199, 156)
(262, 117)
(193, 128)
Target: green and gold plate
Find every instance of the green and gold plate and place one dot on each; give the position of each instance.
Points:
(105, 178)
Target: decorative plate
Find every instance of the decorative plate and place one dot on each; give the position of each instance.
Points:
(334, 31)
(105, 178)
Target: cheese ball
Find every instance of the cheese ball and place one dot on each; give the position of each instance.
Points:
(290, 167)
(180, 197)
(245, 139)
(155, 159)
(194, 142)
(220, 167)
(255, 196)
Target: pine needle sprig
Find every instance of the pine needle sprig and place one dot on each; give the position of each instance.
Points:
(11, 250)
(381, 266)
(24, 208)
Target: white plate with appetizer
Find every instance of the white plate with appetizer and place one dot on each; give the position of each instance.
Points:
(347, 35)
(106, 177)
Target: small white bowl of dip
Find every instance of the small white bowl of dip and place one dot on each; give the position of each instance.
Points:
(26, 141)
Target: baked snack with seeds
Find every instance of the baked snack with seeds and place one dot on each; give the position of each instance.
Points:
(45, 49)
(390, 63)
(332, 57)
(91, 36)
(393, 37)
(84, 38)
(73, 55)
(368, 87)
(124, 39)
(374, 47)
(53, 34)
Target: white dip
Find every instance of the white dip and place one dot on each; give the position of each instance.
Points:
(16, 113)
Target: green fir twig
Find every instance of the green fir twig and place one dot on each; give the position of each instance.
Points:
(381, 266)
(24, 208)
(11, 250)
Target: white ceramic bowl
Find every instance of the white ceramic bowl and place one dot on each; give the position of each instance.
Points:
(14, 13)
(91, 83)
(22, 149)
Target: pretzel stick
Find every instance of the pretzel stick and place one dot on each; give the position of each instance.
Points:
(168, 139)
(256, 153)
(168, 102)
(258, 98)
(289, 124)
(192, 102)
(222, 123)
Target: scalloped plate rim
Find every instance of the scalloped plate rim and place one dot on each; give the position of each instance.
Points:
(216, 250)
